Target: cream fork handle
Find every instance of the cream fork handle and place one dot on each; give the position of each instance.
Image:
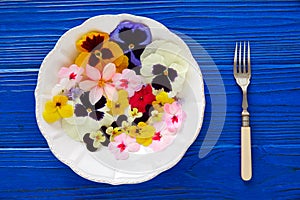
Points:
(246, 160)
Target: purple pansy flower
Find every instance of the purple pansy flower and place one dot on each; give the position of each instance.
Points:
(132, 38)
(88, 109)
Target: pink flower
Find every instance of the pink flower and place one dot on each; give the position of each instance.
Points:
(162, 138)
(68, 76)
(122, 145)
(100, 83)
(128, 81)
(173, 116)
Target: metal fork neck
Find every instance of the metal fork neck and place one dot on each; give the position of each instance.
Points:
(245, 101)
(245, 113)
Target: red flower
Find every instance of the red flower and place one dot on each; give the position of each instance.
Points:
(142, 98)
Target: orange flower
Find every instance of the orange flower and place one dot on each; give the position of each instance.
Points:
(89, 41)
(97, 51)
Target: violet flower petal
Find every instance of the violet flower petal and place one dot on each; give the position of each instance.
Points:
(138, 30)
(162, 82)
(132, 38)
(96, 115)
(80, 110)
(172, 74)
(85, 100)
(89, 142)
(158, 69)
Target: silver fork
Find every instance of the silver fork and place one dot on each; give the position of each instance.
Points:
(242, 75)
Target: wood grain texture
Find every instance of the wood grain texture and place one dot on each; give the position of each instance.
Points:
(30, 29)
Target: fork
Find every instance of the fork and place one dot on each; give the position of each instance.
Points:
(242, 75)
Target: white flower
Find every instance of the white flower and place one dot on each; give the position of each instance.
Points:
(164, 66)
(77, 127)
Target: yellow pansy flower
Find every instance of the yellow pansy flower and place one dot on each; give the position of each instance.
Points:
(113, 132)
(160, 100)
(133, 114)
(118, 107)
(142, 132)
(57, 108)
(156, 116)
(98, 137)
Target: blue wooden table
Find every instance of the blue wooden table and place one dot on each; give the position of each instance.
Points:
(30, 29)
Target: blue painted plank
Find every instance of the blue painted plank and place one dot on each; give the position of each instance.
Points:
(192, 177)
(30, 29)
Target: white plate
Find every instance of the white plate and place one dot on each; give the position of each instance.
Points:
(98, 166)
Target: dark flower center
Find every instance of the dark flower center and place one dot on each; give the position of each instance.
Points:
(137, 131)
(141, 98)
(101, 83)
(117, 105)
(131, 46)
(124, 83)
(174, 119)
(122, 147)
(98, 54)
(91, 43)
(97, 137)
(72, 76)
(58, 104)
(166, 72)
(157, 136)
(114, 132)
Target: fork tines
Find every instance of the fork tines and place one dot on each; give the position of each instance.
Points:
(246, 69)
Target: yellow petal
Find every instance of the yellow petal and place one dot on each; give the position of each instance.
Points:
(118, 107)
(60, 99)
(102, 138)
(109, 103)
(117, 111)
(122, 95)
(141, 124)
(132, 131)
(50, 107)
(144, 141)
(82, 59)
(109, 130)
(114, 47)
(142, 130)
(121, 63)
(51, 117)
(66, 111)
(164, 98)
(157, 106)
(116, 51)
(147, 131)
(113, 136)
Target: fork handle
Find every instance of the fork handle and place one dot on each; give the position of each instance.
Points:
(246, 161)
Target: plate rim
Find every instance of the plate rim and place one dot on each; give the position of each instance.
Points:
(72, 165)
